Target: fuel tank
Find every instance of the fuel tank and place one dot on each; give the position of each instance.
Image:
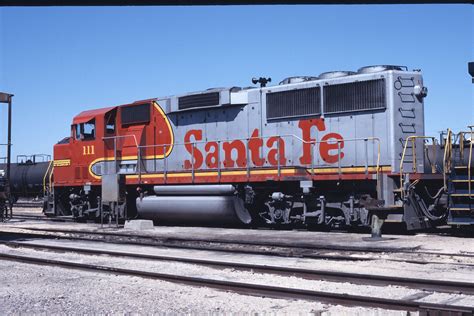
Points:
(201, 204)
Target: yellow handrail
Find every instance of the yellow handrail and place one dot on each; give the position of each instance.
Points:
(462, 139)
(469, 179)
(413, 139)
(45, 175)
(448, 148)
(51, 178)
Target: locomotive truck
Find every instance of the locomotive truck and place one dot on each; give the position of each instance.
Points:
(337, 150)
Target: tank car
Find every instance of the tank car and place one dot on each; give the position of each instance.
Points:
(28, 176)
(337, 150)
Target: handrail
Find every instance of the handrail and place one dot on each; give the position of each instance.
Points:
(413, 139)
(51, 178)
(365, 139)
(461, 140)
(469, 178)
(33, 158)
(122, 136)
(45, 175)
(448, 148)
(115, 145)
(261, 137)
(312, 143)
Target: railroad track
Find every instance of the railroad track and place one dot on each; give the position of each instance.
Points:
(246, 247)
(42, 218)
(312, 274)
(261, 289)
(171, 240)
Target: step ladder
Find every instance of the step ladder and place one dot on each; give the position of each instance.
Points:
(461, 185)
(461, 196)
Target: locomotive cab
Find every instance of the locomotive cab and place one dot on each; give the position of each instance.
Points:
(103, 141)
(74, 193)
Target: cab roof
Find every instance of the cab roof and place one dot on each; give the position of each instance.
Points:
(86, 116)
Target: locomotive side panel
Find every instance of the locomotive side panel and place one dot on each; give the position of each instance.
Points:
(230, 136)
(239, 124)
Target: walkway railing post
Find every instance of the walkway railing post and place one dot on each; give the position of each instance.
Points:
(139, 162)
(278, 154)
(339, 158)
(248, 161)
(366, 157)
(192, 162)
(219, 160)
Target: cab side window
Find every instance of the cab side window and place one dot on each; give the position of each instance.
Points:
(85, 131)
(77, 131)
(110, 122)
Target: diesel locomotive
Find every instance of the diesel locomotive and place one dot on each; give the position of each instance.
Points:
(341, 149)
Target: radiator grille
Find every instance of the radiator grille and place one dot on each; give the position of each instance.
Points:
(294, 103)
(136, 114)
(355, 96)
(198, 100)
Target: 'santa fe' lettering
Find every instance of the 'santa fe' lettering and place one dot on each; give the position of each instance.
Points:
(196, 154)
(329, 147)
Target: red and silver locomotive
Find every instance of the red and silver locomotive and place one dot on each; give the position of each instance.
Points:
(332, 150)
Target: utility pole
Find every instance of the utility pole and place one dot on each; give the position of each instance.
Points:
(7, 98)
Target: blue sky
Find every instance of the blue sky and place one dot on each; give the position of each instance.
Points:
(60, 61)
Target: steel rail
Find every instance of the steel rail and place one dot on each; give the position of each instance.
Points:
(251, 288)
(169, 242)
(287, 252)
(314, 274)
(42, 218)
(290, 253)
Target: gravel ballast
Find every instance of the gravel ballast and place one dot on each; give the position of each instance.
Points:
(33, 289)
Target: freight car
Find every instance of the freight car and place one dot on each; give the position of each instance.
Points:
(341, 149)
(28, 176)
